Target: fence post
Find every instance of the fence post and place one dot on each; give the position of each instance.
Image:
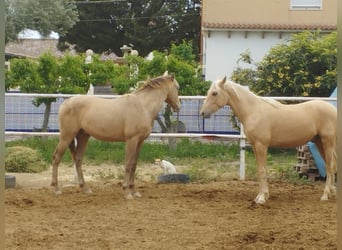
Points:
(242, 154)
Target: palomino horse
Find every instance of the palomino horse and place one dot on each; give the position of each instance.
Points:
(268, 123)
(128, 118)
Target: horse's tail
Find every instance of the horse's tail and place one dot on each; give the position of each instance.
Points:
(335, 160)
(335, 148)
(72, 147)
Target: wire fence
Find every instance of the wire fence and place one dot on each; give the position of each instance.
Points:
(22, 118)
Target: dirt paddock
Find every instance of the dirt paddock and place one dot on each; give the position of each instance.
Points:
(215, 215)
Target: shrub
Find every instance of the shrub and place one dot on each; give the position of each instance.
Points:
(305, 65)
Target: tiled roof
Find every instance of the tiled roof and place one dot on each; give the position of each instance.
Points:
(260, 26)
(33, 47)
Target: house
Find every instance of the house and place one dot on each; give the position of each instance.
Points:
(231, 27)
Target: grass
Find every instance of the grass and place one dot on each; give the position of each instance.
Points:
(201, 159)
(24, 159)
(99, 152)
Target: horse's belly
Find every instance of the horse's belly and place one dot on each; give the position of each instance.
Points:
(109, 138)
(117, 133)
(290, 139)
(288, 144)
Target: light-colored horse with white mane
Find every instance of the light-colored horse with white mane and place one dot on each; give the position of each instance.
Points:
(128, 118)
(268, 123)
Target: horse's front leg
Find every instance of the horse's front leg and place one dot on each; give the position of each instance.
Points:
(132, 150)
(260, 152)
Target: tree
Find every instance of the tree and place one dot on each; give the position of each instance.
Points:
(41, 15)
(303, 66)
(148, 25)
(180, 61)
(48, 75)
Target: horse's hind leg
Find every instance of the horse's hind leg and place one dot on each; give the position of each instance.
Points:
(72, 148)
(319, 145)
(56, 159)
(82, 140)
(331, 167)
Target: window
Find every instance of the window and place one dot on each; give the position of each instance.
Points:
(306, 4)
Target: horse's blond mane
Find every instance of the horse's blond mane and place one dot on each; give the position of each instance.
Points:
(151, 83)
(272, 102)
(233, 85)
(236, 86)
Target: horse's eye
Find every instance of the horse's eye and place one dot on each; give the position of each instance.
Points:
(214, 93)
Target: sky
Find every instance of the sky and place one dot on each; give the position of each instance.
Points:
(33, 34)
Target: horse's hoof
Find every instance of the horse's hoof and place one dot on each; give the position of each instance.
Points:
(129, 197)
(324, 197)
(261, 198)
(137, 194)
(259, 201)
(57, 192)
(87, 191)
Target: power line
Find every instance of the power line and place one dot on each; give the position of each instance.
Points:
(133, 18)
(96, 2)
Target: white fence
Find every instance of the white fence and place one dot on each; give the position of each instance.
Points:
(12, 114)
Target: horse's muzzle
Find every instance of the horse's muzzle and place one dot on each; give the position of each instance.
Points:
(176, 107)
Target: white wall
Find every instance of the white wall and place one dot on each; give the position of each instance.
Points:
(221, 52)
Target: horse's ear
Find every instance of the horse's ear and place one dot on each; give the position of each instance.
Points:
(166, 73)
(222, 82)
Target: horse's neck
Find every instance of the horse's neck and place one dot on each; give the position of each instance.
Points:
(152, 100)
(242, 101)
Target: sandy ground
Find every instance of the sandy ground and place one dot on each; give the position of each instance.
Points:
(215, 215)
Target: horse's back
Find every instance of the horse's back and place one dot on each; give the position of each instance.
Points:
(310, 108)
(323, 109)
(80, 105)
(80, 101)
(76, 102)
